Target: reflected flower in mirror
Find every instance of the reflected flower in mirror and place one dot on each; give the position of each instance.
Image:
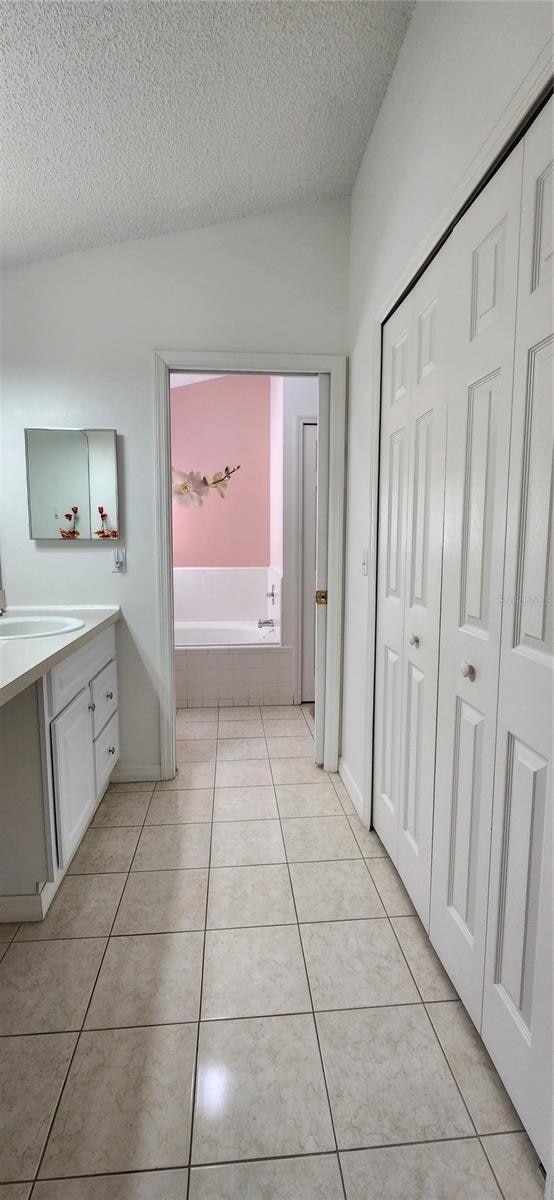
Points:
(72, 517)
(189, 487)
(105, 531)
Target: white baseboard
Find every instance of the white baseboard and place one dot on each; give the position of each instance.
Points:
(21, 908)
(129, 773)
(352, 788)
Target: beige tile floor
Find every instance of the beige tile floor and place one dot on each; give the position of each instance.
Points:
(231, 998)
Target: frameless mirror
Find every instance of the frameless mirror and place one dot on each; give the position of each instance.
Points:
(72, 484)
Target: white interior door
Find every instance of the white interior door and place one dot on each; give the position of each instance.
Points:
(413, 447)
(309, 552)
(424, 533)
(391, 573)
(517, 1010)
(322, 533)
(483, 282)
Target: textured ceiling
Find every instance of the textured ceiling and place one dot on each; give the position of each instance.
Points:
(123, 120)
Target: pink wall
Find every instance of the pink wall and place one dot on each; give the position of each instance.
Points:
(218, 423)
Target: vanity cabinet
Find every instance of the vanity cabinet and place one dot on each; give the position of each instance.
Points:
(59, 743)
(84, 737)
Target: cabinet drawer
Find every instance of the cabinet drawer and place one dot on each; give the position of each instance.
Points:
(75, 672)
(104, 696)
(106, 753)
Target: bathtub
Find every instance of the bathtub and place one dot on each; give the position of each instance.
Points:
(230, 663)
(223, 633)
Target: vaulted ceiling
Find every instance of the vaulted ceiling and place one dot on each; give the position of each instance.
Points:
(124, 120)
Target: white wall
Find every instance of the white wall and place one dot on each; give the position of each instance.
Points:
(77, 349)
(459, 67)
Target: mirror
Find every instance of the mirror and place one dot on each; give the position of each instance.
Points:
(72, 484)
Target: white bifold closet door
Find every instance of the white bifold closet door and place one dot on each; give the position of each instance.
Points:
(517, 1012)
(409, 573)
(482, 304)
(464, 654)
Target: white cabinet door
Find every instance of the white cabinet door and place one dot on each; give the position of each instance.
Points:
(517, 1011)
(483, 282)
(74, 780)
(391, 573)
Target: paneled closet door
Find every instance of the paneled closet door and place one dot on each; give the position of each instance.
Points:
(391, 573)
(483, 274)
(409, 579)
(517, 1011)
(424, 532)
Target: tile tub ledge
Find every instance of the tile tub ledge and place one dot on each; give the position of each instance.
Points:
(24, 660)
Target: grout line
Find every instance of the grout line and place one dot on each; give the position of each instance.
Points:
(491, 1168)
(253, 1016)
(236, 1162)
(220, 929)
(450, 1069)
(194, 1089)
(199, 1021)
(228, 866)
(316, 1030)
(80, 1031)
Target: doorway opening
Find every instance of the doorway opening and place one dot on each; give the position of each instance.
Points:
(204, 659)
(244, 538)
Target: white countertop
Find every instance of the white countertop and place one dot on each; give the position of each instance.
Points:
(24, 660)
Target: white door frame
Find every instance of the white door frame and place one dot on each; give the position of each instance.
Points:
(526, 98)
(246, 363)
(298, 591)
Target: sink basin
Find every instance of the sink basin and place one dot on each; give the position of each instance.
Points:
(29, 627)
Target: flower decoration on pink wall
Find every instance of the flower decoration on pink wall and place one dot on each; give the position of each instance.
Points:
(189, 487)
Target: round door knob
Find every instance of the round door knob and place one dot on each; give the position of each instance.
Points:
(92, 707)
(414, 640)
(468, 671)
(109, 695)
(111, 750)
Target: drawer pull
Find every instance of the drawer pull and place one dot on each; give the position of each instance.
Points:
(109, 695)
(111, 750)
(92, 708)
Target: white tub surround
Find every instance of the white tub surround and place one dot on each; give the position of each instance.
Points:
(233, 676)
(220, 593)
(223, 633)
(24, 660)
